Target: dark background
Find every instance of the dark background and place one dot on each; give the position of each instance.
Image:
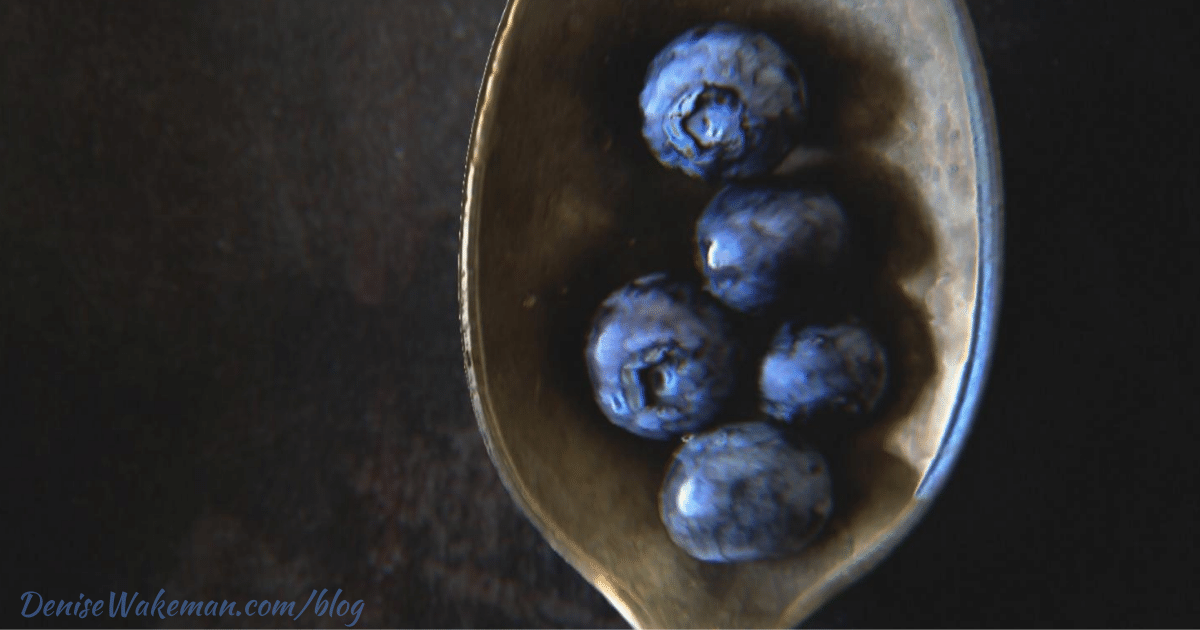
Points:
(229, 353)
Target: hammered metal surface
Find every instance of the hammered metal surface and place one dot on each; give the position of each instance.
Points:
(563, 203)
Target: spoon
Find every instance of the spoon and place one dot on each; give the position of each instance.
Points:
(563, 203)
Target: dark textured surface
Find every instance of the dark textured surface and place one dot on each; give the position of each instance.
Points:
(229, 355)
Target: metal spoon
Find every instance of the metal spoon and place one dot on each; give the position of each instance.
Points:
(562, 204)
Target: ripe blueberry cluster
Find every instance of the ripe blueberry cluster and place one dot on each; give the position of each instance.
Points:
(724, 102)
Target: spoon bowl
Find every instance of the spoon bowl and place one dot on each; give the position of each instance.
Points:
(563, 203)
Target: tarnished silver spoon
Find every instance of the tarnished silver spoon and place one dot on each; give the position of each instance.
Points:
(563, 203)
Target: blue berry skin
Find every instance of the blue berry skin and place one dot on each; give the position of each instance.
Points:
(750, 242)
(722, 101)
(840, 368)
(660, 358)
(742, 492)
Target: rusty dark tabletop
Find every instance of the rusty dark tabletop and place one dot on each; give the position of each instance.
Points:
(229, 354)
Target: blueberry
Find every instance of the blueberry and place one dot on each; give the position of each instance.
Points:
(841, 368)
(751, 242)
(660, 358)
(744, 492)
(722, 101)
